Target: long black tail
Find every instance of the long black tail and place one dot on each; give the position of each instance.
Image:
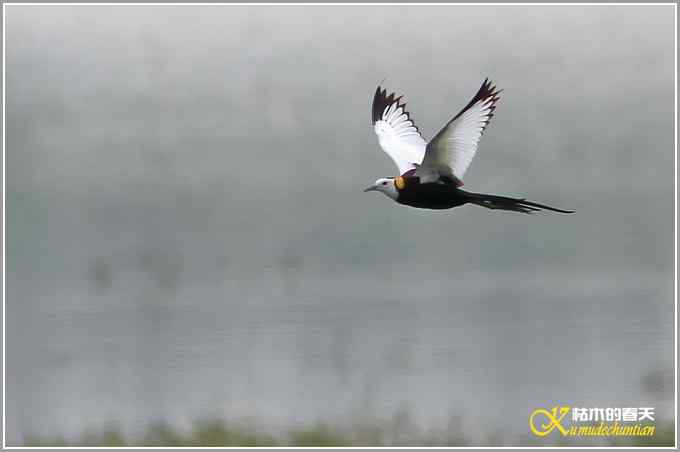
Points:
(513, 204)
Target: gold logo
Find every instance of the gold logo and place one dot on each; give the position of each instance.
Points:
(400, 182)
(595, 421)
(553, 417)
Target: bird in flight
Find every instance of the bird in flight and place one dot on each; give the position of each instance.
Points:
(431, 173)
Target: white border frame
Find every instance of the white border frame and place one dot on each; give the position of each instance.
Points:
(675, 212)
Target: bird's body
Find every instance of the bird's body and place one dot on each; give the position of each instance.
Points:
(432, 195)
(431, 173)
(446, 195)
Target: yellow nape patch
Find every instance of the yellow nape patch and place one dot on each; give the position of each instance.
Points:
(400, 182)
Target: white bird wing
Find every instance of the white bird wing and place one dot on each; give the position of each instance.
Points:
(451, 151)
(398, 135)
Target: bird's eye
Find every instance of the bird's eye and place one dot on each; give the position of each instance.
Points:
(384, 183)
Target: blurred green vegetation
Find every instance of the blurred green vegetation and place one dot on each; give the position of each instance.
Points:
(397, 431)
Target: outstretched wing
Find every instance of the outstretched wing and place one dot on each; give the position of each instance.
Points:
(451, 151)
(398, 135)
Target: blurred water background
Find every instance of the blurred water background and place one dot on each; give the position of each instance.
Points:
(187, 236)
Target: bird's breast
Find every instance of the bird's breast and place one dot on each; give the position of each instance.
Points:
(436, 195)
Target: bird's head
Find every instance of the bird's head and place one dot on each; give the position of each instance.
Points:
(385, 185)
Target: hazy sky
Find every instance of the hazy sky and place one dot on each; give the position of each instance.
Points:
(192, 155)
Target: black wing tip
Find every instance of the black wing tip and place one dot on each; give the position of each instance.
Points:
(381, 101)
(487, 91)
(488, 94)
